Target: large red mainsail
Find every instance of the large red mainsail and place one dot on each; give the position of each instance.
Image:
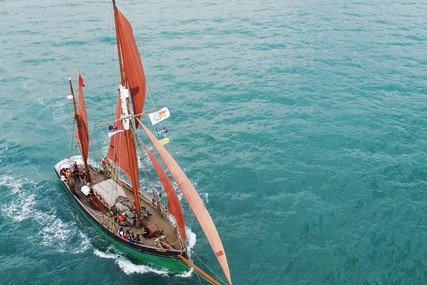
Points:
(174, 206)
(132, 70)
(195, 202)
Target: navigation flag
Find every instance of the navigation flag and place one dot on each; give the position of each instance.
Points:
(110, 134)
(164, 141)
(159, 116)
(113, 130)
(161, 131)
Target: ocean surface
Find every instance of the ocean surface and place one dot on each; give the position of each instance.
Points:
(303, 125)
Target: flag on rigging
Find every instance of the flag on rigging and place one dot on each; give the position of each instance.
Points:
(164, 141)
(157, 117)
(161, 131)
(113, 130)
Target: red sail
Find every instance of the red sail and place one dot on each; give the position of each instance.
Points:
(194, 201)
(122, 150)
(132, 65)
(82, 127)
(174, 206)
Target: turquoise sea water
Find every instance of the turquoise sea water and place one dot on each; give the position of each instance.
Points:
(303, 125)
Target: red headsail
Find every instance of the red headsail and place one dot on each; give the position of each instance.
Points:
(194, 201)
(174, 206)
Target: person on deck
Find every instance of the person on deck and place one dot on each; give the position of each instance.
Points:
(145, 213)
(131, 238)
(83, 177)
(68, 174)
(126, 235)
(62, 174)
(137, 239)
(76, 174)
(144, 233)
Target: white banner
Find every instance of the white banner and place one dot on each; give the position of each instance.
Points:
(159, 116)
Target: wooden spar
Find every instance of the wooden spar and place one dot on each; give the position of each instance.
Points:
(74, 99)
(135, 180)
(119, 50)
(124, 118)
(112, 122)
(200, 271)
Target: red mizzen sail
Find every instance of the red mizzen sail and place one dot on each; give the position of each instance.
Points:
(82, 126)
(132, 70)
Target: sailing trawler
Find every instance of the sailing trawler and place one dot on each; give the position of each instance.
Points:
(111, 193)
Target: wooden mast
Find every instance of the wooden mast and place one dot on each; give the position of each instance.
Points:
(78, 123)
(128, 133)
(74, 99)
(119, 50)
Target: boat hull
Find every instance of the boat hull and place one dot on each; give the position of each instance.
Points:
(160, 258)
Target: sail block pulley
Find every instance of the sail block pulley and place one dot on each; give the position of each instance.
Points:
(124, 95)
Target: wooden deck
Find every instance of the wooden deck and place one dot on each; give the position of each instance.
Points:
(109, 220)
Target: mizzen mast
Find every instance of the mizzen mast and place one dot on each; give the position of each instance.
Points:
(80, 117)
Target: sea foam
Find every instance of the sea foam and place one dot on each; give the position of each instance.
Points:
(128, 267)
(52, 231)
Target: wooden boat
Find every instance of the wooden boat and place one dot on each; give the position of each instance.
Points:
(112, 194)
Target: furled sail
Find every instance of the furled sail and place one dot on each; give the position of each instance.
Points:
(131, 64)
(174, 206)
(195, 202)
(82, 131)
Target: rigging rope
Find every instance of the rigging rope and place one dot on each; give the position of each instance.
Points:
(113, 70)
(210, 269)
